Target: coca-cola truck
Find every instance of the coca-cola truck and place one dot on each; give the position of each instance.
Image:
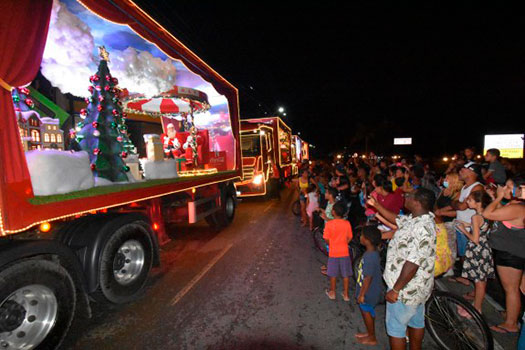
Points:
(155, 141)
(267, 155)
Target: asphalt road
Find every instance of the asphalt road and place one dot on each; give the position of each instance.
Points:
(254, 285)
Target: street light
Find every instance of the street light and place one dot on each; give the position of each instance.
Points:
(281, 109)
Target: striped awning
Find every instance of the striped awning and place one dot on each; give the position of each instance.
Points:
(179, 100)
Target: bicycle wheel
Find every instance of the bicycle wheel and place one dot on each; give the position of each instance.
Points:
(296, 208)
(453, 331)
(319, 242)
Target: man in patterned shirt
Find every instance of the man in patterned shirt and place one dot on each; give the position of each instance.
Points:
(409, 269)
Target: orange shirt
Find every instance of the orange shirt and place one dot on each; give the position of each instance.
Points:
(338, 233)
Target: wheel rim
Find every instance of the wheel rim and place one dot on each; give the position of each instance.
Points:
(230, 207)
(448, 328)
(36, 308)
(129, 262)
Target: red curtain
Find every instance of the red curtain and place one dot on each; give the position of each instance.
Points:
(23, 33)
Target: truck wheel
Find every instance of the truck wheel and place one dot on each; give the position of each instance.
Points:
(37, 305)
(125, 263)
(224, 216)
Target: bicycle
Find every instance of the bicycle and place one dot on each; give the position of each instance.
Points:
(296, 208)
(452, 331)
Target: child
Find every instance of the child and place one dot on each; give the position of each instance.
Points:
(369, 283)
(338, 233)
(312, 203)
(478, 265)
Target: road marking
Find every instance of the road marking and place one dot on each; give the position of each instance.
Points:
(201, 274)
(268, 207)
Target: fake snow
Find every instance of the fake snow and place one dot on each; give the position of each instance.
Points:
(163, 169)
(57, 172)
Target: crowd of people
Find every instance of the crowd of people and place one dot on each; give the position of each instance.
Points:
(465, 221)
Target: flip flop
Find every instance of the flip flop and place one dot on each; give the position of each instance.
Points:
(499, 329)
(327, 292)
(345, 298)
(324, 267)
(323, 272)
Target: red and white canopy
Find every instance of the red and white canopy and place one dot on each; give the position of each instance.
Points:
(178, 100)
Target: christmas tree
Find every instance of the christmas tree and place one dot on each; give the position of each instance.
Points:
(103, 129)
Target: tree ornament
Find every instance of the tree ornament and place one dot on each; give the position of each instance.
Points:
(113, 125)
(115, 81)
(83, 113)
(88, 100)
(94, 124)
(115, 100)
(125, 168)
(96, 151)
(80, 124)
(120, 138)
(29, 102)
(24, 91)
(115, 112)
(124, 154)
(90, 88)
(100, 108)
(100, 98)
(108, 77)
(107, 88)
(96, 133)
(98, 88)
(16, 98)
(93, 167)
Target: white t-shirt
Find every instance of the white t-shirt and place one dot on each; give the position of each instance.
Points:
(467, 214)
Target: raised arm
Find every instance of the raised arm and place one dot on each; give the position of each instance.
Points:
(387, 214)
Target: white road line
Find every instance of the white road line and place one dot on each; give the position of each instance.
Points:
(268, 207)
(201, 274)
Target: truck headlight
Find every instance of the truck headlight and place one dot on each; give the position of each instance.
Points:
(258, 179)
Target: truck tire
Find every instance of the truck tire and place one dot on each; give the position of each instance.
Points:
(125, 263)
(37, 304)
(226, 213)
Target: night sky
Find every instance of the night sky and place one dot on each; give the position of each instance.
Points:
(351, 74)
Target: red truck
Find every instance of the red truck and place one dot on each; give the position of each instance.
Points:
(267, 155)
(301, 149)
(60, 250)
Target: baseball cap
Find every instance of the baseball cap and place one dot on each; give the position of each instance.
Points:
(476, 168)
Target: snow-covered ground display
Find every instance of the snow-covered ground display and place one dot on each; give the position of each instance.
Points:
(164, 169)
(56, 172)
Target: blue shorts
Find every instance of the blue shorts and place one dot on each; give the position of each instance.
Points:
(399, 316)
(339, 267)
(462, 240)
(368, 308)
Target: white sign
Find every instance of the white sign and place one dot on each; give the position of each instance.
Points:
(403, 141)
(509, 145)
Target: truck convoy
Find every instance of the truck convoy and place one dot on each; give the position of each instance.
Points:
(268, 155)
(86, 224)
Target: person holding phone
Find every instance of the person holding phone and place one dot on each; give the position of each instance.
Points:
(507, 240)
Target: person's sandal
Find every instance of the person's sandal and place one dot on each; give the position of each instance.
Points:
(327, 292)
(345, 298)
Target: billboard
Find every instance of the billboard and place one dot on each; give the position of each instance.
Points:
(509, 145)
(403, 141)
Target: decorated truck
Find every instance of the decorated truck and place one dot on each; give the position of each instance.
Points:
(301, 150)
(110, 128)
(267, 155)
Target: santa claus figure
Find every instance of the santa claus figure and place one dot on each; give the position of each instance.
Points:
(170, 143)
(190, 146)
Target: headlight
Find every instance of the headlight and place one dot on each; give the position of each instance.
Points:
(258, 179)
